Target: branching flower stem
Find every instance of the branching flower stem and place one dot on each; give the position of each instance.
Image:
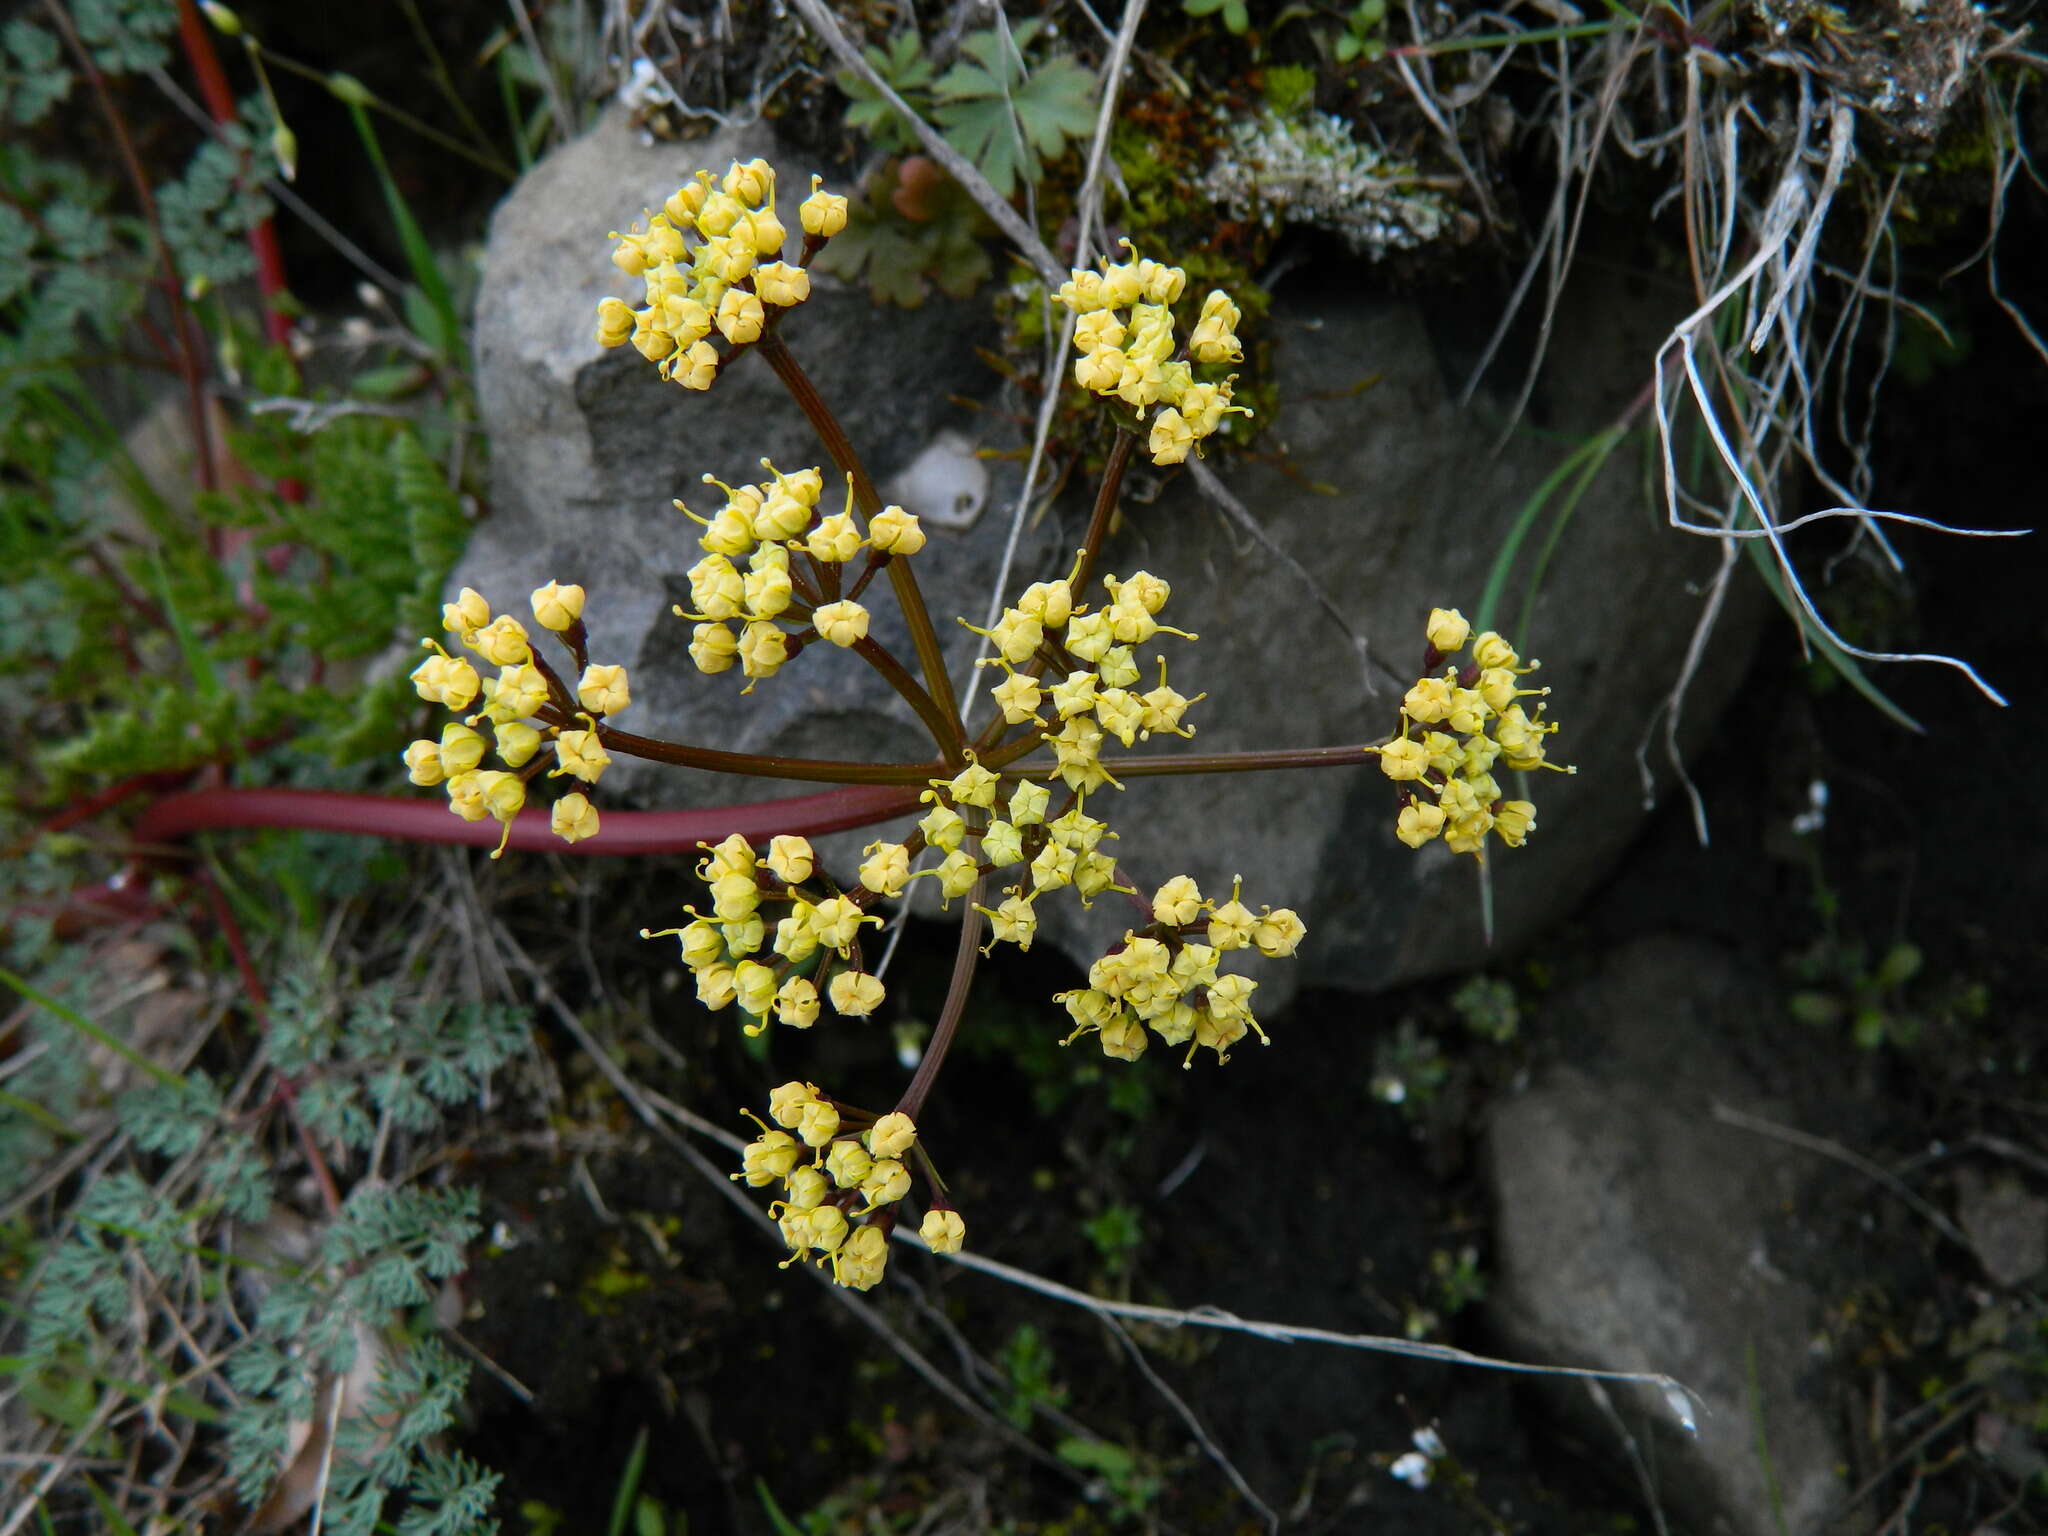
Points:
(964, 958)
(934, 703)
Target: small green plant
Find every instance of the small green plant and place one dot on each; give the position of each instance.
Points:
(1117, 1233)
(1130, 1481)
(1362, 35)
(1236, 17)
(1028, 1368)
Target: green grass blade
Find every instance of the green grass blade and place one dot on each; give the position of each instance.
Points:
(629, 1486)
(1504, 557)
(419, 256)
(776, 1518)
(87, 1028)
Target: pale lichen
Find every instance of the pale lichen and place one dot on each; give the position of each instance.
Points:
(1305, 168)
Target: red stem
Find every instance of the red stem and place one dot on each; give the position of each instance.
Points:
(204, 58)
(624, 833)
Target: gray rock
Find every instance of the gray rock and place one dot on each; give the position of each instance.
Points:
(1632, 1235)
(1387, 495)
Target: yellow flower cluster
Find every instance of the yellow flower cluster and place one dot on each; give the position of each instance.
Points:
(1469, 722)
(524, 690)
(798, 970)
(1165, 978)
(765, 525)
(1125, 336)
(727, 283)
(840, 1205)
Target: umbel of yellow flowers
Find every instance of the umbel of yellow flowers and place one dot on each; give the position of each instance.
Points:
(726, 281)
(522, 687)
(1457, 725)
(1124, 333)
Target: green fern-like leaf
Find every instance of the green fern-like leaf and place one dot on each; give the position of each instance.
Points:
(1007, 121)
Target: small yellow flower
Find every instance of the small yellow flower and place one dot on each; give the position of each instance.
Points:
(781, 285)
(516, 742)
(848, 1163)
(580, 754)
(697, 368)
(1178, 902)
(574, 818)
(822, 214)
(423, 764)
(556, 606)
(1404, 758)
(894, 531)
(467, 614)
(974, 785)
(762, 649)
(768, 1157)
(943, 1231)
(796, 1003)
(713, 648)
(447, 680)
(844, 623)
(1028, 802)
(886, 869)
(1279, 933)
(887, 1182)
(740, 317)
(859, 1265)
(1172, 437)
(1447, 630)
(892, 1135)
(790, 859)
(603, 689)
(614, 323)
(836, 920)
(855, 994)
(835, 539)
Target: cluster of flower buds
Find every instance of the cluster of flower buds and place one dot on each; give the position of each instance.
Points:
(1456, 727)
(727, 282)
(840, 1205)
(535, 717)
(1165, 978)
(811, 955)
(780, 607)
(1125, 336)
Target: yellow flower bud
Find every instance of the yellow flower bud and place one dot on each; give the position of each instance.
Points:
(844, 623)
(943, 1231)
(1514, 821)
(1002, 845)
(790, 859)
(556, 607)
(1447, 630)
(762, 649)
(445, 679)
(467, 614)
(697, 367)
(573, 819)
(848, 1163)
(822, 214)
(502, 642)
(1279, 933)
(894, 531)
(423, 763)
(614, 323)
(887, 1182)
(516, 742)
(1490, 650)
(835, 539)
(740, 317)
(712, 648)
(859, 1265)
(957, 873)
(1171, 438)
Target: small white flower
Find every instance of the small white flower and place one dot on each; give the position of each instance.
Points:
(1413, 1469)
